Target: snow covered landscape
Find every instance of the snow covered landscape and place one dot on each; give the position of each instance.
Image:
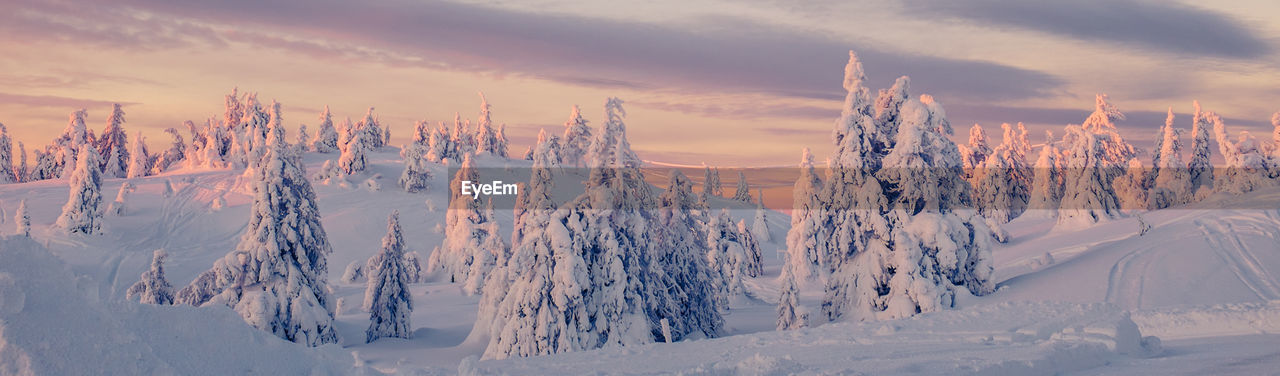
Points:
(721, 198)
(355, 259)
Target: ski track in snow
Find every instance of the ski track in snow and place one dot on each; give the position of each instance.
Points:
(1126, 278)
(1225, 242)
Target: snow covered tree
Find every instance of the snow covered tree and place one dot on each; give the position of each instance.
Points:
(791, 315)
(138, 161)
(486, 136)
(975, 154)
(276, 278)
(304, 139)
(929, 244)
(690, 305)
(413, 266)
(743, 192)
(113, 144)
(1246, 162)
(1199, 168)
(760, 226)
(1049, 178)
(118, 207)
(7, 168)
(387, 296)
(887, 108)
(755, 264)
(852, 216)
(710, 183)
(22, 219)
(536, 302)
(726, 256)
(441, 147)
(83, 211)
(153, 288)
(370, 131)
(1171, 186)
(20, 170)
(1275, 144)
(1130, 192)
(59, 158)
(467, 233)
(577, 138)
(416, 176)
(352, 160)
(171, 156)
(806, 245)
(492, 250)
(1095, 156)
(326, 140)
(1002, 190)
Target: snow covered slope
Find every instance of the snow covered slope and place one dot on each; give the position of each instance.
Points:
(1205, 280)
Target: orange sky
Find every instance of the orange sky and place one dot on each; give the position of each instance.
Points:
(723, 83)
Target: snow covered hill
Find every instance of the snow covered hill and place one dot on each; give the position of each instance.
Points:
(1206, 281)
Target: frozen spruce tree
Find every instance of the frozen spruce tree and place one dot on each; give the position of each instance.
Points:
(974, 155)
(326, 140)
(369, 131)
(690, 306)
(743, 192)
(791, 315)
(1246, 162)
(1095, 155)
(536, 303)
(1172, 185)
(806, 244)
(276, 278)
(352, 160)
(304, 139)
(1048, 179)
(83, 211)
(113, 145)
(169, 157)
(577, 138)
(22, 219)
(416, 176)
(467, 233)
(887, 108)
(938, 245)
(619, 235)
(492, 250)
(1004, 188)
(852, 222)
(440, 146)
(138, 161)
(7, 169)
(755, 265)
(387, 296)
(488, 139)
(1199, 168)
(710, 184)
(153, 288)
(727, 256)
(760, 226)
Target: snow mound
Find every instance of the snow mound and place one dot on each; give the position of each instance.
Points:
(1211, 321)
(51, 325)
(1005, 338)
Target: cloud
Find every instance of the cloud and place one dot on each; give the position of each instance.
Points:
(55, 101)
(729, 109)
(746, 57)
(1156, 25)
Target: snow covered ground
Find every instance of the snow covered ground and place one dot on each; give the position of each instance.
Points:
(1205, 281)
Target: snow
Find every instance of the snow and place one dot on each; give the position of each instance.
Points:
(1203, 280)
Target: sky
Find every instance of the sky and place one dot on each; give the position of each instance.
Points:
(727, 83)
